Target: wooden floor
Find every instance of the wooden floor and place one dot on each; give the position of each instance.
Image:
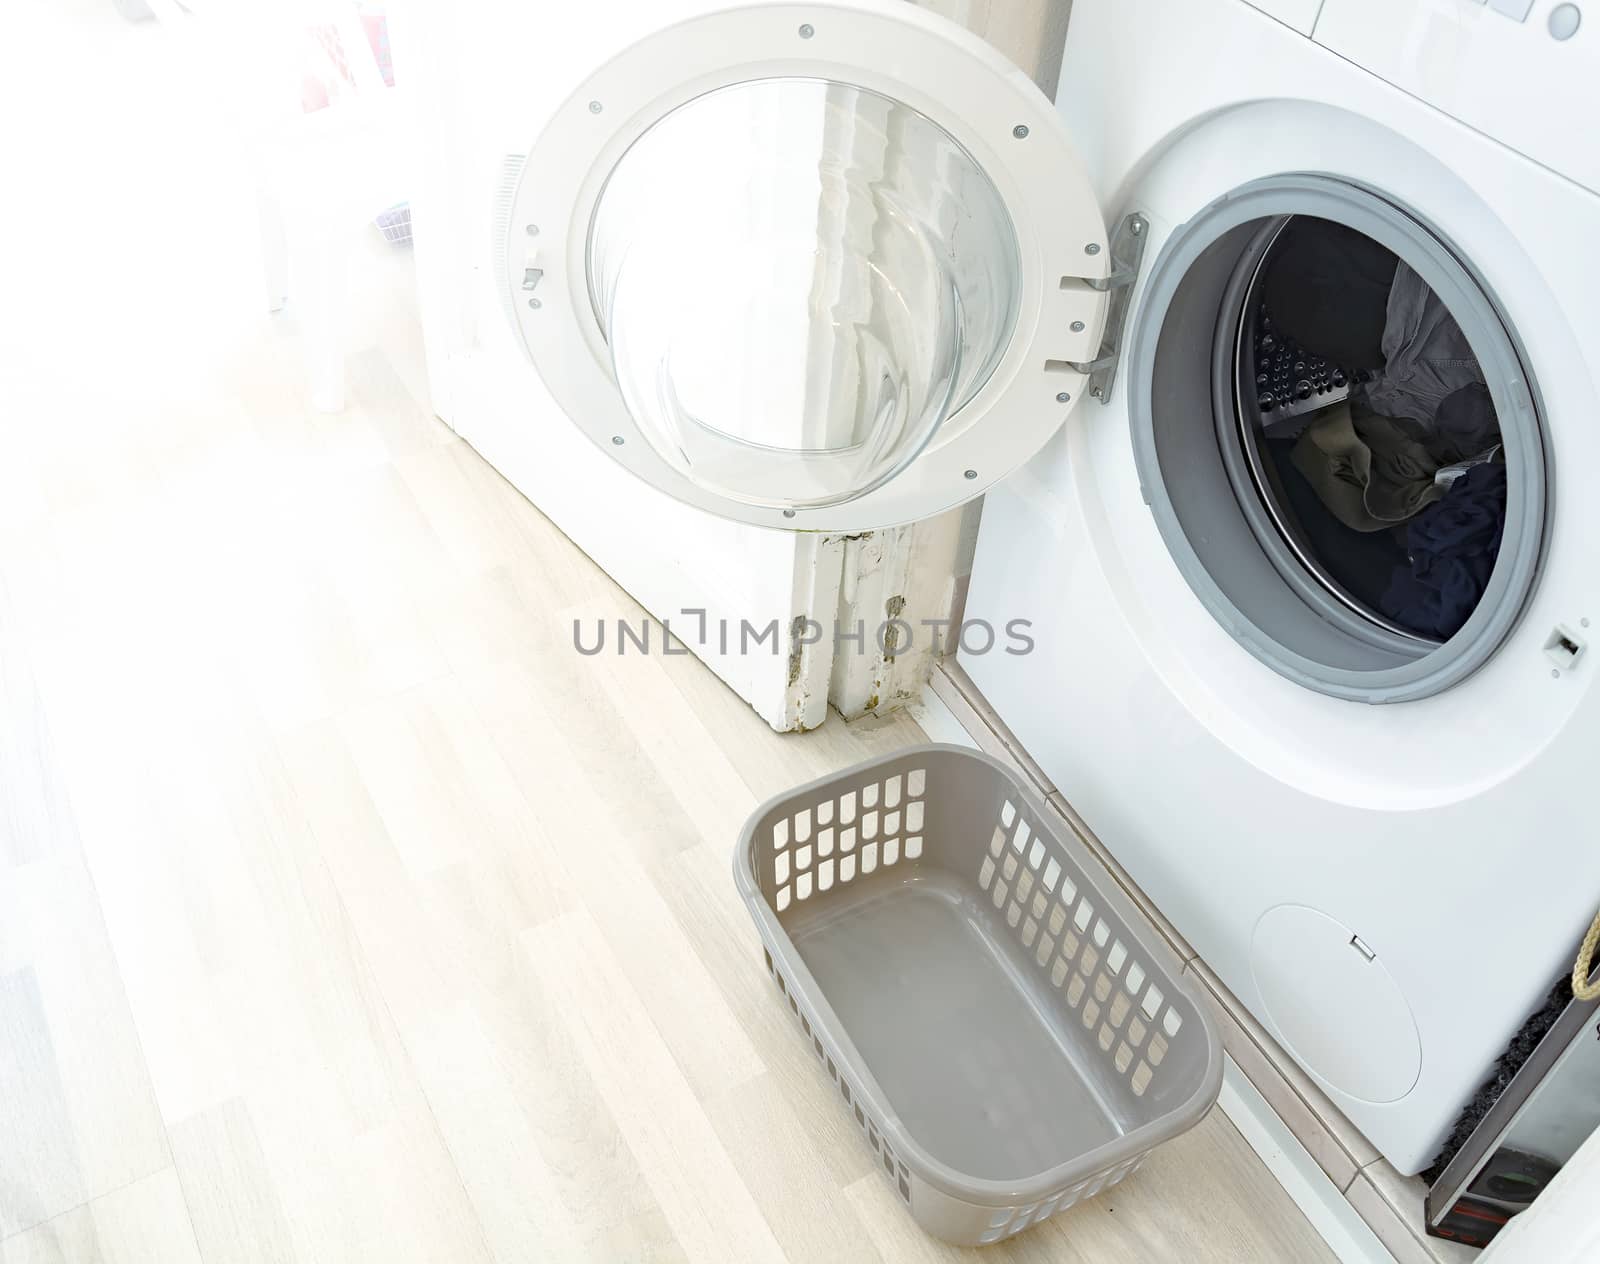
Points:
(346, 914)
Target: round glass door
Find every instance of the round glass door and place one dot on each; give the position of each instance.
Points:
(799, 281)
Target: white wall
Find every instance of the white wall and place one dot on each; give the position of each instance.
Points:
(1030, 32)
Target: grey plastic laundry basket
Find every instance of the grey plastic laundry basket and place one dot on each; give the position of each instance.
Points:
(1008, 1039)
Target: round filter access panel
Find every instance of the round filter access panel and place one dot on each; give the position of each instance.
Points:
(1334, 1005)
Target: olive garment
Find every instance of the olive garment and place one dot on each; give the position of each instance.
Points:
(1371, 472)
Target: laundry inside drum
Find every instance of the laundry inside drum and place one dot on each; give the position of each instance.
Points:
(799, 281)
(1368, 429)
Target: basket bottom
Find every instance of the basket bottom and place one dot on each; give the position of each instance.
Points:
(956, 1024)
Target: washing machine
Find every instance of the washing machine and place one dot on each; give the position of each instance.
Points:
(831, 267)
(1383, 843)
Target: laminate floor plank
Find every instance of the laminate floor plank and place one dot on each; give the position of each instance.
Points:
(143, 1222)
(708, 1205)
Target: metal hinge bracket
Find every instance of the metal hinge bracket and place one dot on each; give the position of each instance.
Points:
(1127, 253)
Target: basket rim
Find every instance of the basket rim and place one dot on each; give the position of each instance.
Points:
(988, 1192)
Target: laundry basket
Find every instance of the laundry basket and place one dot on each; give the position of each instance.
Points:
(1007, 1037)
(395, 224)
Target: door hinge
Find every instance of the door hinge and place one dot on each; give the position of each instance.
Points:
(1127, 252)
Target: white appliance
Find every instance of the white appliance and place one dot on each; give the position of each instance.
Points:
(1387, 850)
(823, 268)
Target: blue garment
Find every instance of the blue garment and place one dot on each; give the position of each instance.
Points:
(1453, 545)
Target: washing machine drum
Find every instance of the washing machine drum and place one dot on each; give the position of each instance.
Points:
(823, 268)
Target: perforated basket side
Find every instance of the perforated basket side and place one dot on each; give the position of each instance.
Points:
(1133, 1010)
(856, 1101)
(839, 831)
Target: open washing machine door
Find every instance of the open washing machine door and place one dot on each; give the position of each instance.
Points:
(825, 267)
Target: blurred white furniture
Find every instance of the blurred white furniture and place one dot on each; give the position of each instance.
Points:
(322, 174)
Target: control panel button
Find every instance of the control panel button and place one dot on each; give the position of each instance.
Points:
(1565, 19)
(1517, 9)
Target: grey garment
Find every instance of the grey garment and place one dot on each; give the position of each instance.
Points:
(1465, 425)
(1371, 472)
(1426, 356)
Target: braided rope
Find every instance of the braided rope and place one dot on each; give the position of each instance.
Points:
(1581, 968)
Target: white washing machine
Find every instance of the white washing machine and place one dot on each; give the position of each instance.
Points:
(835, 266)
(1384, 844)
